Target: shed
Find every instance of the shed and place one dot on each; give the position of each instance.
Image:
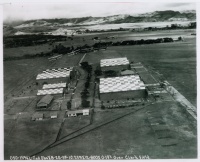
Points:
(38, 116)
(71, 113)
(78, 112)
(53, 115)
(86, 112)
(127, 72)
(45, 102)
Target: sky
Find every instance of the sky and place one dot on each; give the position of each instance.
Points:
(60, 9)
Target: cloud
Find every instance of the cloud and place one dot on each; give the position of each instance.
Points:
(27, 11)
(177, 4)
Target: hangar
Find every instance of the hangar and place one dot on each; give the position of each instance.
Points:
(45, 102)
(116, 64)
(120, 88)
(59, 75)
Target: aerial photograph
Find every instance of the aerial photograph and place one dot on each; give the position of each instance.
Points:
(99, 81)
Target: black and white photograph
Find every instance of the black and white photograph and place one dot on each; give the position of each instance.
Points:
(99, 80)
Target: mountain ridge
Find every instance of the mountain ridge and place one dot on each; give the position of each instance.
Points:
(156, 16)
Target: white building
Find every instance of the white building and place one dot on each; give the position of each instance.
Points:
(57, 92)
(55, 85)
(59, 75)
(78, 112)
(123, 87)
(116, 64)
(53, 115)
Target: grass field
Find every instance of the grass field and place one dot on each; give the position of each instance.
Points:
(73, 124)
(27, 137)
(133, 135)
(30, 50)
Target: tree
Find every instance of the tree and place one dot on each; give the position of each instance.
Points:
(102, 107)
(180, 38)
(85, 103)
(87, 30)
(98, 72)
(87, 84)
(44, 83)
(111, 73)
(69, 105)
(84, 94)
(84, 64)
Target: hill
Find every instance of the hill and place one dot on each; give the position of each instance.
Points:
(157, 16)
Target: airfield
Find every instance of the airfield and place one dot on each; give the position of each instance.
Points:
(116, 132)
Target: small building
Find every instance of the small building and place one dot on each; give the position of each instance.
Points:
(86, 111)
(38, 116)
(115, 64)
(53, 115)
(78, 112)
(127, 72)
(57, 92)
(45, 102)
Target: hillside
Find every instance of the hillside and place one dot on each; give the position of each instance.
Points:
(157, 16)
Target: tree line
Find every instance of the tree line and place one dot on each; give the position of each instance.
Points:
(60, 49)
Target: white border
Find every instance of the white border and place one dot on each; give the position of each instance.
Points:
(92, 1)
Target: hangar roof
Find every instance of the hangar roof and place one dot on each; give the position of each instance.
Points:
(127, 72)
(56, 85)
(45, 100)
(54, 73)
(49, 91)
(114, 62)
(78, 111)
(123, 83)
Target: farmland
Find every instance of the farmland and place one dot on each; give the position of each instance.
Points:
(119, 132)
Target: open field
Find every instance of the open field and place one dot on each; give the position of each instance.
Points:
(133, 134)
(30, 50)
(29, 136)
(73, 124)
(20, 71)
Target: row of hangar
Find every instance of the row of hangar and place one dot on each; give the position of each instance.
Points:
(128, 85)
(53, 83)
